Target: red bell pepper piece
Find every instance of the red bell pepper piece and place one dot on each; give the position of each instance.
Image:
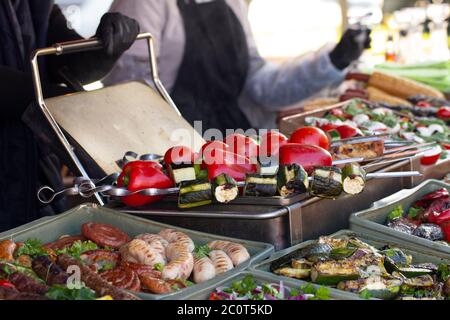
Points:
(271, 143)
(178, 155)
(306, 156)
(438, 194)
(137, 176)
(439, 217)
(234, 165)
(143, 164)
(7, 284)
(242, 145)
(446, 230)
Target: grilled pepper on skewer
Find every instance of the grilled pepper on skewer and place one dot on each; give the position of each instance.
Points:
(353, 179)
(194, 194)
(257, 185)
(225, 188)
(292, 179)
(326, 182)
(140, 175)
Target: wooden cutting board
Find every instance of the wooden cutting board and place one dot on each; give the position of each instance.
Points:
(127, 117)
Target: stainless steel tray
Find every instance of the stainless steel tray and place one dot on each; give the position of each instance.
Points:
(262, 277)
(371, 221)
(51, 228)
(419, 255)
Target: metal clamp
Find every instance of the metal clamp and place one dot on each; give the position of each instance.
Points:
(80, 46)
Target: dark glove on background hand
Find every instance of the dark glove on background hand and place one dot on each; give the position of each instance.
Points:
(117, 33)
(351, 47)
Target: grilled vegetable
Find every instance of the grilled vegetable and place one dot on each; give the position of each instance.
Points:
(353, 179)
(194, 194)
(327, 182)
(330, 273)
(225, 188)
(376, 287)
(429, 231)
(414, 272)
(257, 185)
(294, 273)
(182, 172)
(267, 166)
(292, 179)
(365, 150)
(313, 253)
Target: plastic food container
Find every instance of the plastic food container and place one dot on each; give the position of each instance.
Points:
(419, 255)
(260, 277)
(371, 221)
(49, 229)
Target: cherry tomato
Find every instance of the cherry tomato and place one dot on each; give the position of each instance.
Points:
(310, 136)
(179, 154)
(211, 145)
(7, 284)
(444, 113)
(271, 143)
(347, 131)
(431, 157)
(242, 145)
(305, 155)
(423, 104)
(446, 146)
(328, 127)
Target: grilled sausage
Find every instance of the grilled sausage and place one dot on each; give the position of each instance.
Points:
(27, 284)
(138, 251)
(48, 271)
(141, 269)
(173, 236)
(237, 252)
(155, 285)
(97, 259)
(181, 262)
(7, 248)
(11, 294)
(204, 270)
(94, 281)
(122, 278)
(222, 263)
(104, 235)
(64, 242)
(149, 238)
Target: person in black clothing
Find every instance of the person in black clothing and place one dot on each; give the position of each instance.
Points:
(25, 26)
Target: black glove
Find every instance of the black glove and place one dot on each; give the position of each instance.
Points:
(352, 45)
(117, 33)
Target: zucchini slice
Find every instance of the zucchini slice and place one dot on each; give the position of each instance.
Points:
(326, 182)
(257, 185)
(225, 188)
(194, 194)
(292, 179)
(353, 179)
(268, 166)
(182, 172)
(414, 272)
(330, 273)
(293, 273)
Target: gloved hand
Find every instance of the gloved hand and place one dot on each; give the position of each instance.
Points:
(351, 47)
(117, 33)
